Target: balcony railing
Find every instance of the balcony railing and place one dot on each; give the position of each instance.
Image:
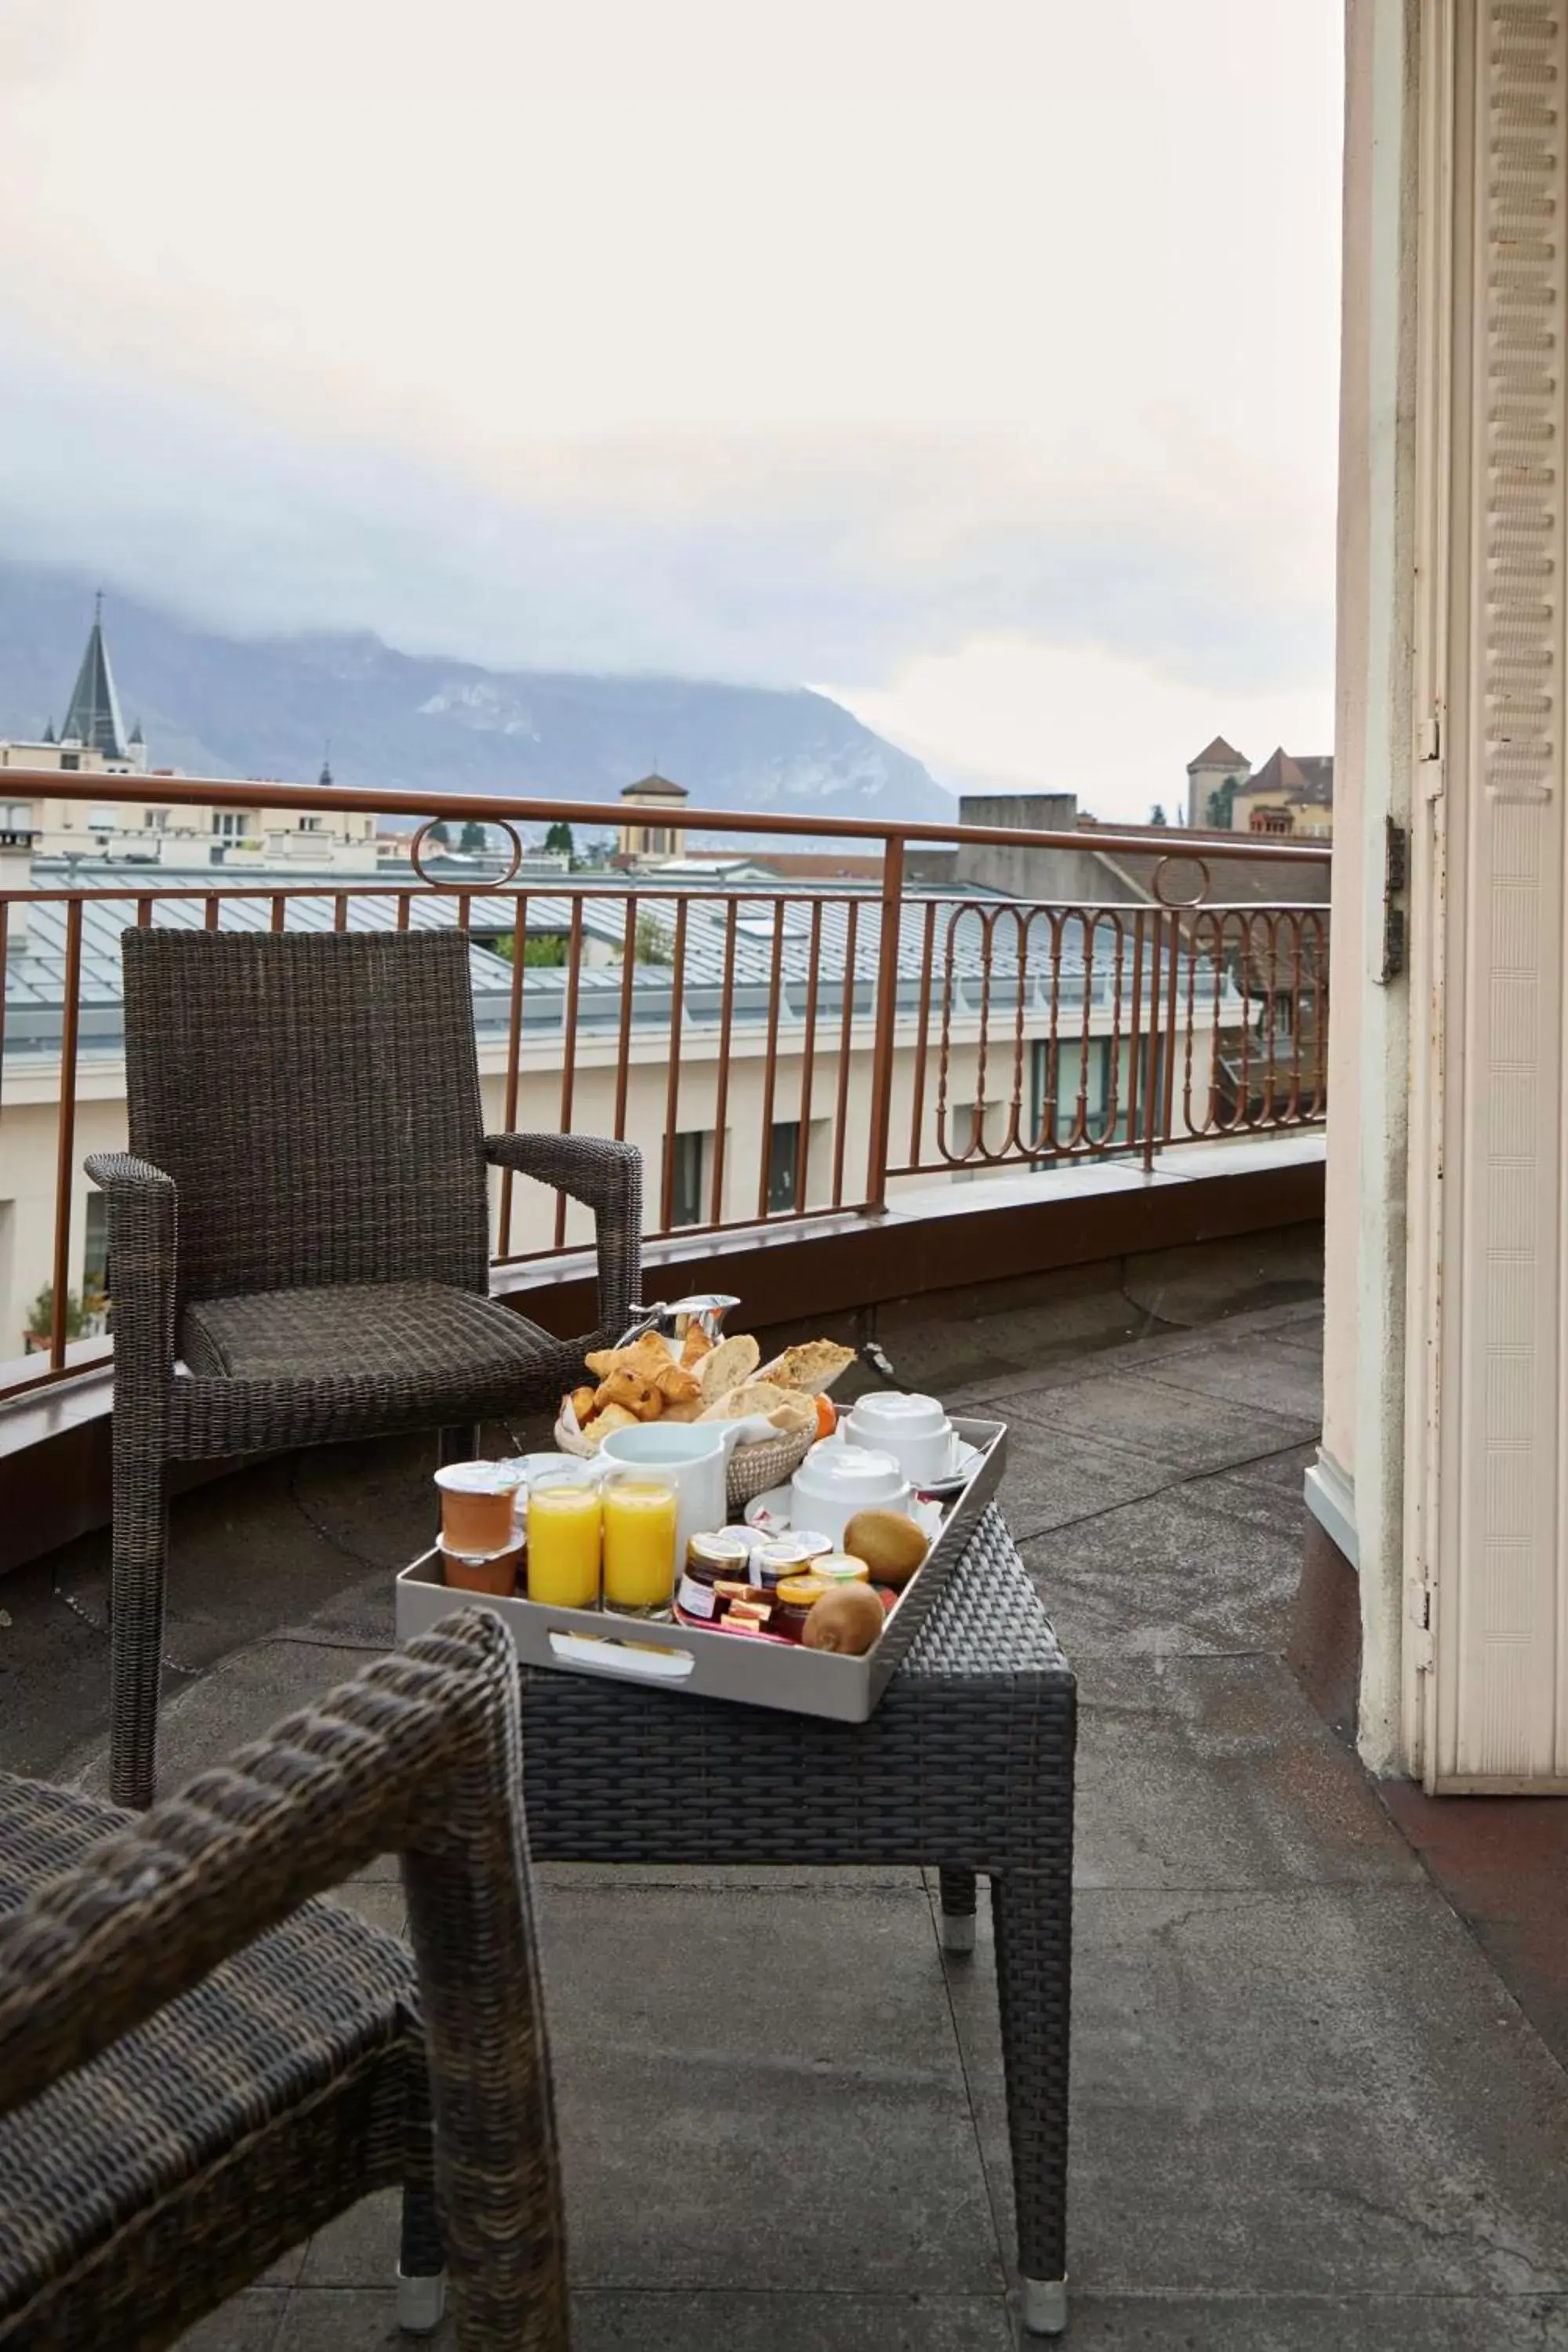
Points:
(781, 1050)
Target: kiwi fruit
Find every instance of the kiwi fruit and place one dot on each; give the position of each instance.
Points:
(847, 1619)
(890, 1543)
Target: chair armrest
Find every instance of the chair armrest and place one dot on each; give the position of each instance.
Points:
(142, 1233)
(604, 1177)
(421, 1753)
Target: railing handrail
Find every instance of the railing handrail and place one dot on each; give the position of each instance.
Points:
(495, 808)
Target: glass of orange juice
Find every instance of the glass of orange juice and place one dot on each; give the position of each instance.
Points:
(564, 1523)
(640, 1544)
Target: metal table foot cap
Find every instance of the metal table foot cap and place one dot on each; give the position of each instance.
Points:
(1045, 2307)
(421, 2301)
(958, 1931)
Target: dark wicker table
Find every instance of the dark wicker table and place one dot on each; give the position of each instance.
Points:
(967, 1764)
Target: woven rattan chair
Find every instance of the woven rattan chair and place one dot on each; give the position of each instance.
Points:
(298, 1236)
(199, 2064)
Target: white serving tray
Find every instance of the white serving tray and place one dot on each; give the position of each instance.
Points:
(691, 1660)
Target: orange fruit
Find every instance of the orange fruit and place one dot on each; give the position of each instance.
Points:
(826, 1416)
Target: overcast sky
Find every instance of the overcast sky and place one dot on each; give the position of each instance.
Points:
(973, 360)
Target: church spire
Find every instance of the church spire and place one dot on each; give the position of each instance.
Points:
(93, 719)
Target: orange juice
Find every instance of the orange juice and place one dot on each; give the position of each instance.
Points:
(640, 1545)
(564, 1522)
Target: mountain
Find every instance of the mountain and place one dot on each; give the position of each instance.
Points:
(221, 706)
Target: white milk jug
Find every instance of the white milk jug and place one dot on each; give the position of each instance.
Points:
(694, 1456)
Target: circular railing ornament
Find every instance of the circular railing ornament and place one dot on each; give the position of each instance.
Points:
(1181, 858)
(495, 882)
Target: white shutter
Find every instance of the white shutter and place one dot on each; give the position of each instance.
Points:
(1488, 1176)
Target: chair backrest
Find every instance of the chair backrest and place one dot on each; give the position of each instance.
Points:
(315, 1098)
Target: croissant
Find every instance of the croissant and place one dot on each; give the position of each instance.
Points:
(646, 1358)
(677, 1386)
(582, 1402)
(637, 1396)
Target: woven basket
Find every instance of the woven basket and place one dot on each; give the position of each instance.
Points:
(754, 1469)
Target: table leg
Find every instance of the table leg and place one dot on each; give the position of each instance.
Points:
(421, 2278)
(957, 1910)
(1033, 1913)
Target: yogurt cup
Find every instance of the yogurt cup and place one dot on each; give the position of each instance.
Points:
(494, 1572)
(477, 1504)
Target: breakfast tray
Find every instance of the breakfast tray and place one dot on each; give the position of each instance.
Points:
(690, 1660)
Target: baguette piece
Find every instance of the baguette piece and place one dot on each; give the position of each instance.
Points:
(813, 1367)
(788, 1411)
(727, 1365)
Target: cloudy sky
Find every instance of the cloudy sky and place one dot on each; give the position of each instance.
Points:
(973, 360)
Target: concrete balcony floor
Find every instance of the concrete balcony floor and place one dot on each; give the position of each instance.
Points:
(1308, 2111)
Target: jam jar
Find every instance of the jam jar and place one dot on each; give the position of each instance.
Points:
(709, 1560)
(773, 1562)
(840, 1567)
(795, 1599)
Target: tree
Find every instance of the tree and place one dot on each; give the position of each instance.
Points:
(439, 834)
(1157, 814)
(473, 837)
(652, 945)
(546, 951)
(559, 838)
(41, 1314)
(1220, 808)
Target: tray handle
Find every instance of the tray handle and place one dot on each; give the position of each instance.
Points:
(595, 1654)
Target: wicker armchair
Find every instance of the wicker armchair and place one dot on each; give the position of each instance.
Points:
(199, 2065)
(298, 1236)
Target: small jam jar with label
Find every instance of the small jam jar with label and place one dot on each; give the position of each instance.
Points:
(793, 1600)
(782, 1557)
(709, 1560)
(840, 1567)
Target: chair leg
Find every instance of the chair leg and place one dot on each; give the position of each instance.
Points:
(139, 1569)
(460, 1444)
(957, 1910)
(421, 2276)
(1032, 1910)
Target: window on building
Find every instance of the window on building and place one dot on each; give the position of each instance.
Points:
(1058, 1122)
(102, 820)
(156, 820)
(231, 825)
(783, 1166)
(687, 1198)
(311, 825)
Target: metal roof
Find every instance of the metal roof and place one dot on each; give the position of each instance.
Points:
(815, 938)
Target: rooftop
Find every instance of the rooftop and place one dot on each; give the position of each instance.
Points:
(1306, 777)
(814, 928)
(1218, 754)
(1308, 2109)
